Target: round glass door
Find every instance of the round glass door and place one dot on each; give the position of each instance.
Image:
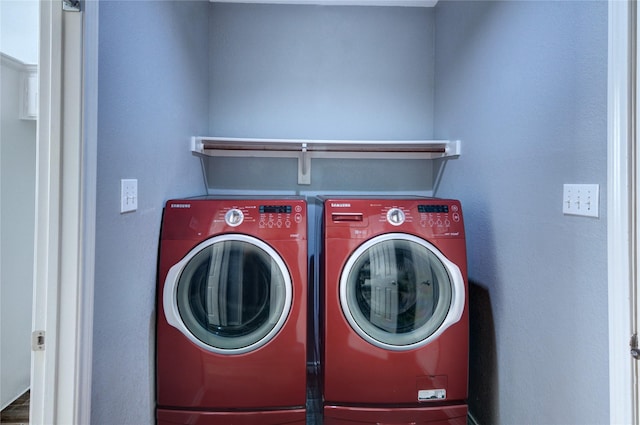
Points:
(400, 292)
(230, 294)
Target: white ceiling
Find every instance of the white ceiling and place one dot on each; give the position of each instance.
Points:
(412, 3)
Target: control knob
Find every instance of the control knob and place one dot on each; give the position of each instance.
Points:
(234, 217)
(395, 216)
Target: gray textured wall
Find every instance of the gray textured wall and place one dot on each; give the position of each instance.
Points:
(524, 85)
(153, 78)
(321, 72)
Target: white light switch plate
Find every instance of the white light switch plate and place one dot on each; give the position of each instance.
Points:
(581, 199)
(128, 195)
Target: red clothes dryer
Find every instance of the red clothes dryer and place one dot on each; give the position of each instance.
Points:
(395, 317)
(232, 303)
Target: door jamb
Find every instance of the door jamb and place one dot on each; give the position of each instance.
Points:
(65, 214)
(621, 209)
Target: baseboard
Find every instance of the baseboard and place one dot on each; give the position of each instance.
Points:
(471, 420)
(11, 400)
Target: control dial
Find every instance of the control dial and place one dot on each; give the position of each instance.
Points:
(234, 217)
(395, 216)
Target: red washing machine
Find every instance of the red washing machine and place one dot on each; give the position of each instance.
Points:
(396, 331)
(232, 306)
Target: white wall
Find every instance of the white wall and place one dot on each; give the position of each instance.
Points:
(17, 206)
(19, 29)
(19, 40)
(524, 86)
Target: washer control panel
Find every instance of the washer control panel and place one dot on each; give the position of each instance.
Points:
(266, 216)
(437, 216)
(279, 216)
(270, 218)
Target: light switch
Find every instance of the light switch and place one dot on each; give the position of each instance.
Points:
(581, 199)
(128, 195)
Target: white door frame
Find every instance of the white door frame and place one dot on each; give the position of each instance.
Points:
(621, 210)
(65, 216)
(88, 216)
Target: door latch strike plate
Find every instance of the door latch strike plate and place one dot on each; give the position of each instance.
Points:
(37, 341)
(71, 5)
(633, 346)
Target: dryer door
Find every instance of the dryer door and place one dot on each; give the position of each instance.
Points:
(231, 294)
(400, 292)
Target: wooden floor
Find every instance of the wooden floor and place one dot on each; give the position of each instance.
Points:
(17, 412)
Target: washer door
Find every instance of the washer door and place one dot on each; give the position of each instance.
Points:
(400, 292)
(231, 294)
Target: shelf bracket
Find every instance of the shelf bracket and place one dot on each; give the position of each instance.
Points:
(304, 166)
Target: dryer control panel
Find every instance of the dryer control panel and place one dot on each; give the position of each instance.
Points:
(363, 218)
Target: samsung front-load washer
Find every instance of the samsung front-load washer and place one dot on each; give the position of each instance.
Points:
(231, 312)
(395, 315)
